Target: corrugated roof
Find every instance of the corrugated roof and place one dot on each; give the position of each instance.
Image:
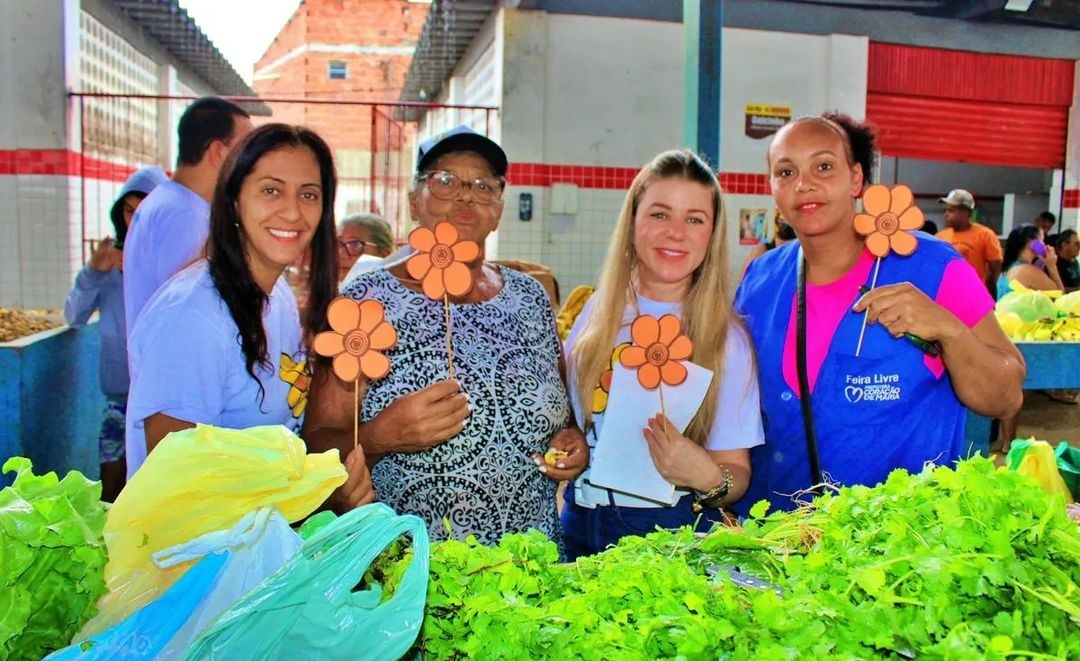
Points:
(448, 31)
(170, 25)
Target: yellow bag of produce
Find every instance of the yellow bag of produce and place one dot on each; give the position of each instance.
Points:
(197, 481)
(1037, 459)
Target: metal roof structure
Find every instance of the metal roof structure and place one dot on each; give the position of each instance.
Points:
(448, 31)
(170, 25)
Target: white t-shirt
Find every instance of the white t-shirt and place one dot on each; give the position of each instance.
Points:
(736, 425)
(188, 363)
(168, 232)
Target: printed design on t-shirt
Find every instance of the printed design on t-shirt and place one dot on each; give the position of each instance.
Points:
(872, 388)
(600, 395)
(294, 371)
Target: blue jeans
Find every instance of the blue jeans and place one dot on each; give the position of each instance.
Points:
(587, 531)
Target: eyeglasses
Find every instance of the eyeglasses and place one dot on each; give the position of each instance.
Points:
(354, 248)
(447, 186)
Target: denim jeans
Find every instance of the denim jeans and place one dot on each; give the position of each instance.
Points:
(587, 531)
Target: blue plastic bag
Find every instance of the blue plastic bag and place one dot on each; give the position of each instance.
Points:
(308, 609)
(147, 631)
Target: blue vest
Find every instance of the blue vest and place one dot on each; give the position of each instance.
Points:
(872, 414)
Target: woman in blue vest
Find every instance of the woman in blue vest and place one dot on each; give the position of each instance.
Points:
(896, 401)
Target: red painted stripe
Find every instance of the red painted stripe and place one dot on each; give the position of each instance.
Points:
(619, 178)
(67, 163)
(61, 163)
(1072, 199)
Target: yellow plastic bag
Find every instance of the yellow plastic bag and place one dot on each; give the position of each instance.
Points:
(1037, 459)
(197, 481)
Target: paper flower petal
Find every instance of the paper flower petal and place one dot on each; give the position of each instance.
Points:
(648, 376)
(878, 244)
(433, 284)
(645, 330)
(384, 336)
(458, 279)
(328, 344)
(466, 251)
(673, 373)
(912, 219)
(446, 234)
(876, 199)
(864, 223)
(422, 239)
(343, 314)
(632, 357)
(681, 348)
(371, 313)
(669, 329)
(374, 365)
(346, 366)
(418, 265)
(903, 243)
(901, 198)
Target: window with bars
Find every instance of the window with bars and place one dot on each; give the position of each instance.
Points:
(337, 70)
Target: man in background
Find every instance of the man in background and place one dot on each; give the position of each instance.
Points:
(978, 244)
(170, 228)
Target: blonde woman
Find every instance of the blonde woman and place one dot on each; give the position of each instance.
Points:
(668, 256)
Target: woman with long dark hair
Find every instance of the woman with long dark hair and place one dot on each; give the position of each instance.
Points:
(221, 342)
(1029, 261)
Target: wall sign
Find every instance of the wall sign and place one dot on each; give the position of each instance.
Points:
(763, 120)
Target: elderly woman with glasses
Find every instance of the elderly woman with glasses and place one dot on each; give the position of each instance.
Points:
(463, 448)
(362, 234)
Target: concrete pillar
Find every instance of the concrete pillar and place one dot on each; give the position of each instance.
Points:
(1070, 208)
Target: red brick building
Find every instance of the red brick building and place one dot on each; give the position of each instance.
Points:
(345, 50)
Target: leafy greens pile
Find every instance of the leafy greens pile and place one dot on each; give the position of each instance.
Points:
(964, 563)
(52, 559)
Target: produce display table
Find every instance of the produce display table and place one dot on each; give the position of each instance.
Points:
(1049, 365)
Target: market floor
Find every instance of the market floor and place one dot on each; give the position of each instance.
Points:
(1049, 420)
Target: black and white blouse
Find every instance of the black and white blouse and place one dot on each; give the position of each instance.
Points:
(483, 481)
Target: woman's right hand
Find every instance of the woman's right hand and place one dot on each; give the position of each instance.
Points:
(1051, 258)
(419, 420)
(357, 489)
(104, 257)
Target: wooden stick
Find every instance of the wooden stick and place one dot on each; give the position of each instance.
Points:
(356, 415)
(660, 387)
(449, 346)
(862, 331)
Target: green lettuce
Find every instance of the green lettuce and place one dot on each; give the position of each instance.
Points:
(52, 559)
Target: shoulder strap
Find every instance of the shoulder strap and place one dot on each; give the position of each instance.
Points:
(804, 379)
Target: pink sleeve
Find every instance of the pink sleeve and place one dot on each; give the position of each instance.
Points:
(963, 293)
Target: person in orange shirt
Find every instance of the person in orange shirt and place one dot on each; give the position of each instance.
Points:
(978, 244)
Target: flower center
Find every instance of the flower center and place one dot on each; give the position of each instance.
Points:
(887, 223)
(656, 354)
(441, 256)
(357, 342)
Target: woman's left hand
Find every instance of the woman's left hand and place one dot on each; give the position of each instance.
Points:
(571, 441)
(681, 461)
(903, 308)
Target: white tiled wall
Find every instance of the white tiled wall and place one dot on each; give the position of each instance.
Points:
(44, 229)
(574, 249)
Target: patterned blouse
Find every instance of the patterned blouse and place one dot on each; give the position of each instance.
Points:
(483, 481)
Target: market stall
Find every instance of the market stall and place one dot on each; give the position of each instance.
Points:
(967, 562)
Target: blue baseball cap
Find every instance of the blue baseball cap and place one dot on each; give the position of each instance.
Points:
(461, 138)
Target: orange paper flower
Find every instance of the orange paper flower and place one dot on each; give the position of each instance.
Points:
(658, 347)
(360, 333)
(889, 216)
(440, 261)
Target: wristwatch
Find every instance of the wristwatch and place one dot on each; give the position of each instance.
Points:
(714, 498)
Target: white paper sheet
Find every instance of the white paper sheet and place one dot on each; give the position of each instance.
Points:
(621, 459)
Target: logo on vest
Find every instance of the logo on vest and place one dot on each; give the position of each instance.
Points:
(874, 388)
